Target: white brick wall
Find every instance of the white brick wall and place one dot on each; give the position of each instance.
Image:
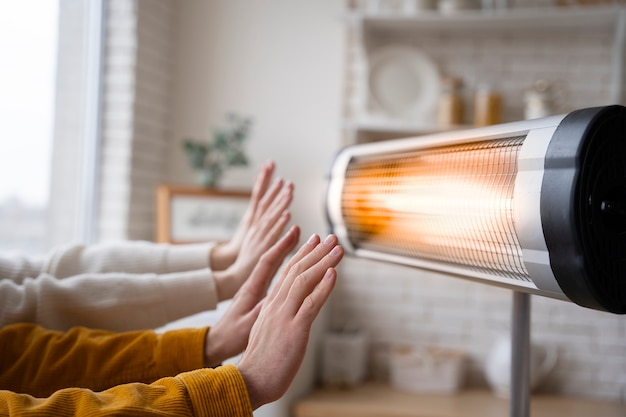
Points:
(136, 121)
(402, 305)
(399, 305)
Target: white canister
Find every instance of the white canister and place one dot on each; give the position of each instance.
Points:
(543, 99)
(344, 358)
(543, 359)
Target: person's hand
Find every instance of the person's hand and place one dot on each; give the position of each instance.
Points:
(279, 336)
(229, 336)
(224, 254)
(265, 220)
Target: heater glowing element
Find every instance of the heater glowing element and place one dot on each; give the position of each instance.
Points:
(447, 204)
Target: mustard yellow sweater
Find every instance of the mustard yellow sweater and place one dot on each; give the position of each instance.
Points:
(136, 370)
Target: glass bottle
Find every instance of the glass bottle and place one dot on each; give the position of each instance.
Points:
(451, 105)
(487, 106)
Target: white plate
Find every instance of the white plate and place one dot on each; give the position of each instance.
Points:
(403, 82)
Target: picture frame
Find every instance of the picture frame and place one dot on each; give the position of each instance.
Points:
(186, 214)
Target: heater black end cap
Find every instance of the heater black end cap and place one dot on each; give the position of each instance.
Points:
(583, 207)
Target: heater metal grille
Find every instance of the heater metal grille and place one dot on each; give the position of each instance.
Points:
(450, 204)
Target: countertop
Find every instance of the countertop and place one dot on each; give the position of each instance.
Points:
(380, 400)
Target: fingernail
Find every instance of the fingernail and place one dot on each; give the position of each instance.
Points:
(329, 239)
(328, 274)
(336, 251)
(312, 238)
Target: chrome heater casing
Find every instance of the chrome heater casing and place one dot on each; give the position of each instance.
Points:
(538, 206)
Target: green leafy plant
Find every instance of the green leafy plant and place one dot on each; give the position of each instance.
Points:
(210, 159)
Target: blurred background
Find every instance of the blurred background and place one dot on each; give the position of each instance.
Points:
(97, 97)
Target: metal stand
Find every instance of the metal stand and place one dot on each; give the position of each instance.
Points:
(520, 356)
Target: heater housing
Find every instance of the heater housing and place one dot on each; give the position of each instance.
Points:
(537, 206)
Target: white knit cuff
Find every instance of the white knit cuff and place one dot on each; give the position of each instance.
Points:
(189, 257)
(190, 292)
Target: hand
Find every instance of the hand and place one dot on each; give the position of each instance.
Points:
(252, 214)
(260, 228)
(279, 336)
(224, 254)
(229, 336)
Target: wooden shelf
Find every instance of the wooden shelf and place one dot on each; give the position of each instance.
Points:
(380, 400)
(528, 20)
(374, 29)
(398, 126)
(374, 130)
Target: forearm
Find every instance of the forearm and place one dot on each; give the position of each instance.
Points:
(38, 361)
(17, 268)
(130, 256)
(205, 392)
(114, 301)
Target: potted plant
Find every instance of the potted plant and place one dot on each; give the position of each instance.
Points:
(211, 159)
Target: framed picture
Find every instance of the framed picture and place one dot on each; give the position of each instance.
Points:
(195, 214)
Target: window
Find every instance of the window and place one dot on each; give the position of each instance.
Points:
(28, 41)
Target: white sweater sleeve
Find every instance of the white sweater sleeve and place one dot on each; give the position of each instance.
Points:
(113, 301)
(116, 286)
(127, 256)
(17, 267)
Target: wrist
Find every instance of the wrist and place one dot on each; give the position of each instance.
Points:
(253, 393)
(222, 256)
(225, 283)
(213, 352)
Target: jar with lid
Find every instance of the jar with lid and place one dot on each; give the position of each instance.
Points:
(451, 105)
(487, 106)
(542, 99)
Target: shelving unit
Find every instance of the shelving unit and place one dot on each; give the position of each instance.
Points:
(598, 18)
(371, 31)
(608, 20)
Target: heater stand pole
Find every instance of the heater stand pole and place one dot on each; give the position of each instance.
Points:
(520, 356)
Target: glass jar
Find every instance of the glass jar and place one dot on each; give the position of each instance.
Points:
(451, 105)
(487, 106)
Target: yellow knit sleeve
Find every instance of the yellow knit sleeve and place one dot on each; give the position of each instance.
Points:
(38, 361)
(216, 392)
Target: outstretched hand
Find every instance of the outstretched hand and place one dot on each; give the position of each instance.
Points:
(252, 213)
(279, 336)
(264, 221)
(229, 336)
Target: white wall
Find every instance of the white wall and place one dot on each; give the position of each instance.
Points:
(278, 61)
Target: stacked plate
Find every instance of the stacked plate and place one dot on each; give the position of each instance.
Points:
(403, 83)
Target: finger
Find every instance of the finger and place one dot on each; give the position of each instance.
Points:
(269, 263)
(295, 269)
(307, 281)
(274, 230)
(314, 302)
(254, 313)
(304, 250)
(260, 185)
(320, 251)
(271, 215)
(268, 197)
(263, 180)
